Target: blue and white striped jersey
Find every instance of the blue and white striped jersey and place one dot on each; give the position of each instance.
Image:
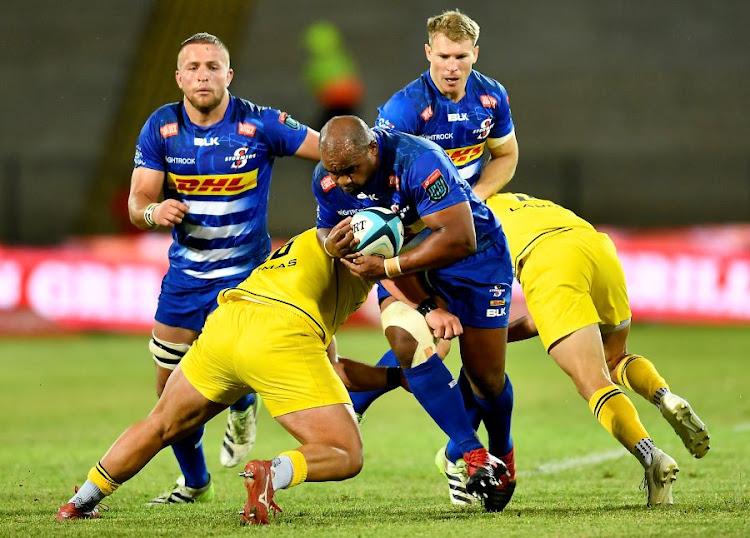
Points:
(462, 129)
(223, 172)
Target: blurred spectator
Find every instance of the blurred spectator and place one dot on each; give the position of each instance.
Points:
(331, 72)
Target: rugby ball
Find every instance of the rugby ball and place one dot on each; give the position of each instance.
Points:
(379, 230)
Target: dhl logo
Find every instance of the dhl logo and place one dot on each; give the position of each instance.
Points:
(462, 156)
(214, 185)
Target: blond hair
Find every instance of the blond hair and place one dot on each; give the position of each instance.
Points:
(455, 25)
(203, 38)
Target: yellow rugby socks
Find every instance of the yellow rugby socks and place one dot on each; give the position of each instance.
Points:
(640, 375)
(99, 485)
(290, 469)
(101, 479)
(614, 410)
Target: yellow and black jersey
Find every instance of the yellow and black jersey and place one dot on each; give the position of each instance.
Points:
(527, 221)
(302, 277)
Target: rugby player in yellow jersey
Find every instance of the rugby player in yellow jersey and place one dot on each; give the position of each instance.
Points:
(269, 335)
(575, 291)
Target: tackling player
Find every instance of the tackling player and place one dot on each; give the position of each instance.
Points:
(203, 167)
(467, 263)
(268, 335)
(576, 294)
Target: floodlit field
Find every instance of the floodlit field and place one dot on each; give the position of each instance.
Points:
(66, 399)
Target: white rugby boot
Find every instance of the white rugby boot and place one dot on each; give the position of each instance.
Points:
(457, 476)
(686, 424)
(659, 477)
(179, 493)
(239, 436)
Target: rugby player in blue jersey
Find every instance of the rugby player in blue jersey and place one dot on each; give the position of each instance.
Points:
(203, 168)
(465, 261)
(468, 115)
(463, 111)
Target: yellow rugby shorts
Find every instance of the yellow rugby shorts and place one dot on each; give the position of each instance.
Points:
(249, 347)
(574, 279)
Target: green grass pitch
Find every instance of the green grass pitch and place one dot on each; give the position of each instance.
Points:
(65, 400)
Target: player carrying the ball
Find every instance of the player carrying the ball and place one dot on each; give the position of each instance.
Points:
(466, 261)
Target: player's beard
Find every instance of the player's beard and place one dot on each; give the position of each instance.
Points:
(205, 103)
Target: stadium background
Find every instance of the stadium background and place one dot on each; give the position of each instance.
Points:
(629, 115)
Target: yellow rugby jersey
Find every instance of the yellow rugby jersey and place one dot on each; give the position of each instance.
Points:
(302, 277)
(527, 221)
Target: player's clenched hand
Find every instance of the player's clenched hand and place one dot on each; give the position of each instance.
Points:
(443, 324)
(340, 240)
(170, 212)
(367, 267)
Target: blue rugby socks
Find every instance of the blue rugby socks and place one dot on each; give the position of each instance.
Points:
(438, 393)
(453, 452)
(496, 415)
(243, 403)
(189, 454)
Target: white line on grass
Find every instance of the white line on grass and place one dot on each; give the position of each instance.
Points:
(594, 458)
(552, 467)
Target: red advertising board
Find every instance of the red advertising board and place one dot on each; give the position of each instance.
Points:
(688, 275)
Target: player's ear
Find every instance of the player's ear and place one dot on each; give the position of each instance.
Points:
(178, 78)
(427, 51)
(230, 76)
(476, 54)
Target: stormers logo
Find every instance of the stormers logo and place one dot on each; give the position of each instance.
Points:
(498, 290)
(240, 157)
(213, 185)
(289, 121)
(484, 129)
(436, 186)
(462, 156)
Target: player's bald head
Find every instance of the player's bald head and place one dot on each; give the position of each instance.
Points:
(345, 136)
(349, 152)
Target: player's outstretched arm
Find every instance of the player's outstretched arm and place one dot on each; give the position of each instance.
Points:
(358, 376)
